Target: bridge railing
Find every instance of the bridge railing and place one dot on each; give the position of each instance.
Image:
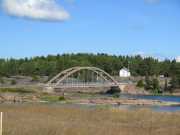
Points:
(84, 84)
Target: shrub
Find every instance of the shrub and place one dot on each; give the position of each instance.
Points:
(35, 78)
(159, 88)
(140, 84)
(154, 92)
(62, 98)
(80, 92)
(165, 87)
(2, 81)
(13, 82)
(116, 96)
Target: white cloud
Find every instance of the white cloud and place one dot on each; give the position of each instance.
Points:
(178, 59)
(43, 10)
(150, 1)
(136, 25)
(153, 55)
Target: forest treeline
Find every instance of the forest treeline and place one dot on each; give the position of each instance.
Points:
(53, 64)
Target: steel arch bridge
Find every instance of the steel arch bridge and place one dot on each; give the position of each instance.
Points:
(63, 78)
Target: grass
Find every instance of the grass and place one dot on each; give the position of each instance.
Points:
(16, 90)
(80, 92)
(46, 120)
(62, 98)
(50, 99)
(154, 92)
(116, 96)
(56, 99)
(36, 88)
(85, 95)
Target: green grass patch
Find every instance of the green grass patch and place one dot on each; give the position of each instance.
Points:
(15, 90)
(116, 96)
(80, 92)
(62, 98)
(154, 92)
(50, 99)
(55, 99)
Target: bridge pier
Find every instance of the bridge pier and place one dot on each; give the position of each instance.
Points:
(48, 89)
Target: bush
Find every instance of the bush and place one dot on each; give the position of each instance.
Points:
(140, 84)
(154, 92)
(62, 98)
(80, 92)
(13, 82)
(159, 88)
(35, 78)
(2, 81)
(116, 96)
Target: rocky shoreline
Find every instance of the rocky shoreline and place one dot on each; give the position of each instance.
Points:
(99, 100)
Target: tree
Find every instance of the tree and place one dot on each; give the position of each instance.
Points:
(174, 82)
(148, 83)
(179, 82)
(155, 83)
(140, 84)
(35, 78)
(13, 82)
(165, 87)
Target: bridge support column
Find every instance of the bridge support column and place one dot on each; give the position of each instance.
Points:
(122, 87)
(48, 89)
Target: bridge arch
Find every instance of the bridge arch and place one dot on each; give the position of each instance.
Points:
(70, 71)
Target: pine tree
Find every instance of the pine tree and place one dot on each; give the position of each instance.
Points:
(155, 83)
(148, 83)
(174, 82)
(165, 87)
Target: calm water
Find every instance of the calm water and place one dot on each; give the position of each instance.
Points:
(128, 107)
(155, 97)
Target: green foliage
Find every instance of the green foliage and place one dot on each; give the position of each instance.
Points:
(53, 64)
(15, 90)
(116, 96)
(179, 82)
(35, 78)
(2, 81)
(159, 88)
(174, 82)
(13, 82)
(155, 83)
(62, 98)
(8, 75)
(154, 92)
(148, 83)
(140, 84)
(50, 99)
(80, 92)
(165, 87)
(49, 78)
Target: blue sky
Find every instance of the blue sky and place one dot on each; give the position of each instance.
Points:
(30, 28)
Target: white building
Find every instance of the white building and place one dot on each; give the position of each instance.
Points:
(124, 72)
